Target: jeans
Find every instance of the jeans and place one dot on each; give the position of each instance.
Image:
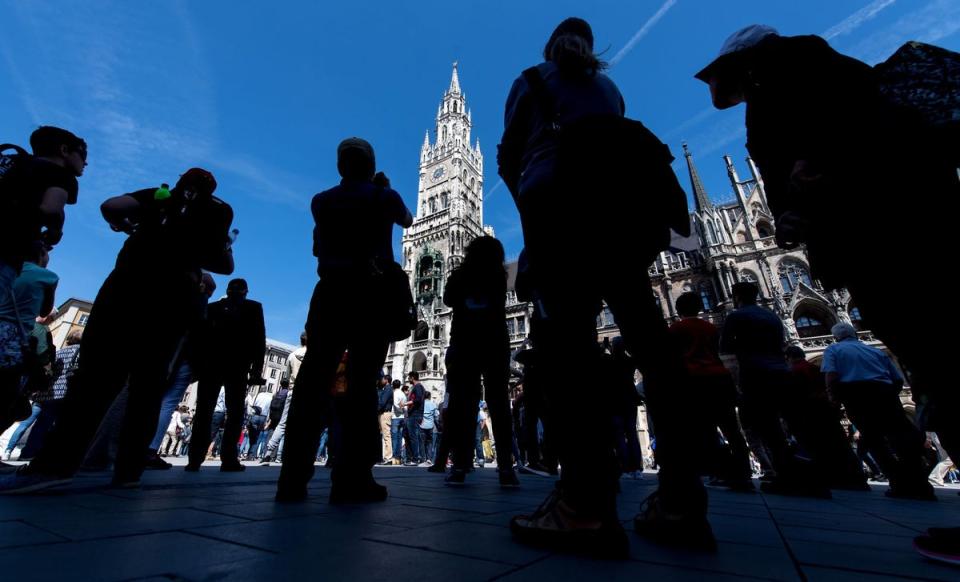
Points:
(22, 428)
(413, 431)
(396, 434)
(274, 448)
(428, 443)
(260, 448)
(322, 450)
(171, 399)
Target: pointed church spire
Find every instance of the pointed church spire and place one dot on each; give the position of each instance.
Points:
(699, 192)
(455, 80)
(426, 139)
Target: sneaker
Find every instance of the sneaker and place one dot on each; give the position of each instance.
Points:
(425, 464)
(436, 469)
(6, 456)
(25, 480)
(558, 526)
(265, 461)
(410, 464)
(508, 479)
(456, 478)
(658, 525)
(234, 467)
(369, 492)
(155, 463)
(942, 548)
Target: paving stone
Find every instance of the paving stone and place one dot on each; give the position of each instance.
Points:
(102, 524)
(362, 560)
(159, 555)
(15, 533)
(577, 568)
(872, 560)
(297, 533)
(770, 562)
(475, 540)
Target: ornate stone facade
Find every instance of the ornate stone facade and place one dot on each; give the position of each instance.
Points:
(449, 214)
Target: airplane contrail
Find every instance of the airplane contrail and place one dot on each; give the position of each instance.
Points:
(647, 26)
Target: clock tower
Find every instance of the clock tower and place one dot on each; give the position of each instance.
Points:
(449, 214)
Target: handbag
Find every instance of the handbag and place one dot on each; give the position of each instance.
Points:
(397, 311)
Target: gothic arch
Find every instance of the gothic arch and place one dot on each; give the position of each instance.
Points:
(813, 319)
(419, 363)
(764, 229)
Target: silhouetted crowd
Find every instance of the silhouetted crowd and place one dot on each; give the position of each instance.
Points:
(839, 144)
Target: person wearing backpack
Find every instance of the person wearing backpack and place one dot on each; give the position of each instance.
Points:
(570, 157)
(34, 189)
(173, 235)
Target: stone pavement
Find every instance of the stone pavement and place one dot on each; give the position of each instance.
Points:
(212, 526)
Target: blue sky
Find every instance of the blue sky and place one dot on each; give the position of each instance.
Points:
(261, 93)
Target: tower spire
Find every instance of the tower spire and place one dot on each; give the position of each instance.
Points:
(455, 80)
(699, 192)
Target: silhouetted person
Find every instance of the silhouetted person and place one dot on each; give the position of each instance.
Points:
(173, 235)
(624, 400)
(33, 192)
(415, 400)
(868, 384)
(569, 91)
(714, 395)
(479, 350)
(187, 359)
(352, 237)
(814, 420)
(234, 341)
(834, 152)
(756, 336)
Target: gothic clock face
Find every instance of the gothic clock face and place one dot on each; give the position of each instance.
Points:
(438, 173)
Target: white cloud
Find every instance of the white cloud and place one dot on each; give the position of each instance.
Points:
(853, 22)
(932, 22)
(646, 28)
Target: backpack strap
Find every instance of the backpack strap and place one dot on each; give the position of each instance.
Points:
(9, 146)
(538, 89)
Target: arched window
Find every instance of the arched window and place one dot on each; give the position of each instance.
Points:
(433, 205)
(707, 296)
(454, 106)
(808, 326)
(436, 332)
(812, 320)
(464, 176)
(444, 138)
(419, 363)
(764, 229)
(792, 273)
(444, 200)
(422, 332)
(719, 231)
(436, 362)
(855, 317)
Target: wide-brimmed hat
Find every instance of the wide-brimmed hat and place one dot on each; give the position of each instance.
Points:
(734, 47)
